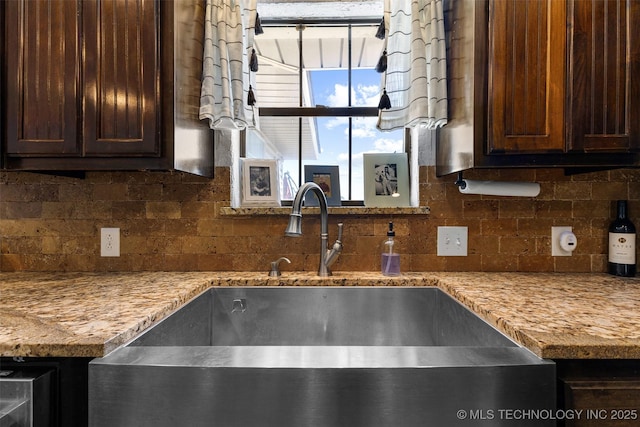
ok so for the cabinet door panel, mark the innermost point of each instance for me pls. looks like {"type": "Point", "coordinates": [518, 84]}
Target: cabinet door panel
{"type": "Point", "coordinates": [42, 77]}
{"type": "Point", "coordinates": [526, 76]}
{"type": "Point", "coordinates": [121, 78]}
{"type": "Point", "coordinates": [603, 402]}
{"type": "Point", "coordinates": [605, 74]}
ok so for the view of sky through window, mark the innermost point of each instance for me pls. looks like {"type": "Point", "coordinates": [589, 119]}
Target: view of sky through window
{"type": "Point", "coordinates": [328, 49]}
{"type": "Point", "coordinates": [330, 88]}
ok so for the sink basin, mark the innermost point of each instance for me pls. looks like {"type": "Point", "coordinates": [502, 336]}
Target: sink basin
{"type": "Point", "coordinates": [321, 356]}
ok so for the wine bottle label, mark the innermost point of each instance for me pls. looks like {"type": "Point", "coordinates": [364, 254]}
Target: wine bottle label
{"type": "Point", "coordinates": [622, 248]}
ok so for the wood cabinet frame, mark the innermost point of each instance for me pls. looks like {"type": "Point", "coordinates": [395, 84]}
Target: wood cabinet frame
{"type": "Point", "coordinates": [65, 109]}
{"type": "Point", "coordinates": [483, 102]}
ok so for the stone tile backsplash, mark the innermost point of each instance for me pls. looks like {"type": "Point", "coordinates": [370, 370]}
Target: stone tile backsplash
{"type": "Point", "coordinates": [172, 221]}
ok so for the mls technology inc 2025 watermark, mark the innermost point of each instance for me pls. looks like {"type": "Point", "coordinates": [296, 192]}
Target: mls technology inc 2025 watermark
{"type": "Point", "coordinates": [547, 414]}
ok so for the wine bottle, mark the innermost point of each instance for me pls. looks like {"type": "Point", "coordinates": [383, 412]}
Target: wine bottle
{"type": "Point", "coordinates": [622, 244]}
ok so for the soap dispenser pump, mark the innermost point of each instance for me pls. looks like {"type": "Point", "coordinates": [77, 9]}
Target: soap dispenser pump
{"type": "Point", "coordinates": [390, 258]}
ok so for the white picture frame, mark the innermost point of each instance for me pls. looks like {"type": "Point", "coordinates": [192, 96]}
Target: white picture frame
{"type": "Point", "coordinates": [386, 180]}
{"type": "Point", "coordinates": [260, 182]}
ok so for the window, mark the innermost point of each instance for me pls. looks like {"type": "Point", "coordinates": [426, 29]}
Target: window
{"type": "Point", "coordinates": [317, 92]}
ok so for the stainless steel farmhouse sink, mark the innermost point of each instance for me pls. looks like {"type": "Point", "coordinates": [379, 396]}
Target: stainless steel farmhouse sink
{"type": "Point", "coordinates": [321, 356]}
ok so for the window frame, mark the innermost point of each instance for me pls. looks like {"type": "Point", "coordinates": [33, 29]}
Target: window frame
{"type": "Point", "coordinates": [348, 111]}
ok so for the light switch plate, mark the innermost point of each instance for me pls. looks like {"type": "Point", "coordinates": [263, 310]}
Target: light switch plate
{"type": "Point", "coordinates": [452, 241]}
{"type": "Point", "coordinates": [109, 242]}
{"type": "Point", "coordinates": [556, 250]}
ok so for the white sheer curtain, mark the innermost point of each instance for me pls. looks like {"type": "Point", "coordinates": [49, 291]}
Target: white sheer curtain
{"type": "Point", "coordinates": [415, 79]}
{"type": "Point", "coordinates": [229, 32]}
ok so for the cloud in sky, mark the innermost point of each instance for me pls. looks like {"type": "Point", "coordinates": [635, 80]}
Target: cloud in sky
{"type": "Point", "coordinates": [361, 95]}
{"type": "Point", "coordinates": [388, 145]}
{"type": "Point", "coordinates": [369, 95]}
{"type": "Point", "coordinates": [366, 137]}
{"type": "Point", "coordinates": [336, 122]}
{"type": "Point", "coordinates": [380, 145]}
{"type": "Point", "coordinates": [363, 127]}
{"type": "Point", "coordinates": [339, 97]}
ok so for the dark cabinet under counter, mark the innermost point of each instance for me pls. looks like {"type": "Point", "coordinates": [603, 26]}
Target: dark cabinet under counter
{"type": "Point", "coordinates": [27, 398]}
{"type": "Point", "coordinates": [58, 387]}
{"type": "Point", "coordinates": [599, 392]}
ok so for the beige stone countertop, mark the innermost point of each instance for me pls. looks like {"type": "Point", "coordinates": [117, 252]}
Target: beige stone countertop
{"type": "Point", "coordinates": [557, 316]}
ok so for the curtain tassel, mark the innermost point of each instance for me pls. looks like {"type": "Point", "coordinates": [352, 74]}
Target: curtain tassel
{"type": "Point", "coordinates": [381, 66]}
{"type": "Point", "coordinates": [380, 34]}
{"type": "Point", "coordinates": [258, 28]}
{"type": "Point", "coordinates": [251, 98]}
{"type": "Point", "coordinates": [385, 102]}
{"type": "Point", "coordinates": [253, 62]}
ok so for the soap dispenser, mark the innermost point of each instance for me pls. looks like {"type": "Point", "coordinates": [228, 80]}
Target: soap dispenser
{"type": "Point", "coordinates": [390, 258]}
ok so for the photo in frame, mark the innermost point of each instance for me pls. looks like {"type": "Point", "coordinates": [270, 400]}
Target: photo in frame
{"type": "Point", "coordinates": [260, 183]}
{"type": "Point", "coordinates": [327, 178]}
{"type": "Point", "coordinates": [386, 180]}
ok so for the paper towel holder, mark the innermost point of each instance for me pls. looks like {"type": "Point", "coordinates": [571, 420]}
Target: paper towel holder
{"type": "Point", "coordinates": [497, 188]}
{"type": "Point", "coordinates": [460, 181]}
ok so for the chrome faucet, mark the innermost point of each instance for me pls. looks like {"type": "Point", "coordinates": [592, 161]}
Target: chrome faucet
{"type": "Point", "coordinates": [294, 229]}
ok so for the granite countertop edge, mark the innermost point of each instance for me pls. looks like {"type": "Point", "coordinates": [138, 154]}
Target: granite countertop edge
{"type": "Point", "coordinates": [92, 314]}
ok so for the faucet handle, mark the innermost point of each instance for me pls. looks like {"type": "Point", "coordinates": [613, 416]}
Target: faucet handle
{"type": "Point", "coordinates": [336, 249]}
{"type": "Point", "coordinates": [275, 266]}
{"type": "Point", "coordinates": [340, 232]}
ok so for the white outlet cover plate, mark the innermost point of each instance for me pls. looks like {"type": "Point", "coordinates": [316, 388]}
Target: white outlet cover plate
{"type": "Point", "coordinates": [556, 250]}
{"type": "Point", "coordinates": [109, 242]}
{"type": "Point", "coordinates": [452, 241]}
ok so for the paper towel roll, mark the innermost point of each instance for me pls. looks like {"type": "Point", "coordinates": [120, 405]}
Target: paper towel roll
{"type": "Point", "coordinates": [500, 188]}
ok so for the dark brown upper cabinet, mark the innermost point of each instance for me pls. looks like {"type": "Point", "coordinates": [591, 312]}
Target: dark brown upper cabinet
{"type": "Point", "coordinates": [526, 76]}
{"type": "Point", "coordinates": [542, 83]}
{"type": "Point", "coordinates": [43, 78]}
{"type": "Point", "coordinates": [91, 84]}
{"type": "Point", "coordinates": [604, 75]}
{"type": "Point", "coordinates": [121, 75]}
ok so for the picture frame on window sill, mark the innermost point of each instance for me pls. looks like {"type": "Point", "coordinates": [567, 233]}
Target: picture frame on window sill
{"type": "Point", "coordinates": [327, 178]}
{"type": "Point", "coordinates": [386, 180]}
{"type": "Point", "coordinates": [260, 182]}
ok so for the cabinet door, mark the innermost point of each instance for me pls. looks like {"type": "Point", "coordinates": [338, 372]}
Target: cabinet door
{"type": "Point", "coordinates": [604, 66]}
{"type": "Point", "coordinates": [603, 402]}
{"type": "Point", "coordinates": [121, 76]}
{"type": "Point", "coordinates": [42, 77]}
{"type": "Point", "coordinates": [526, 76]}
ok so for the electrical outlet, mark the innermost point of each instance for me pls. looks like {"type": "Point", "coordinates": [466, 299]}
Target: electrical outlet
{"type": "Point", "coordinates": [452, 241]}
{"type": "Point", "coordinates": [109, 242]}
{"type": "Point", "coordinates": [556, 250]}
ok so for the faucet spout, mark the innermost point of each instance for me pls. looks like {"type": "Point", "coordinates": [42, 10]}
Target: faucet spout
{"type": "Point", "coordinates": [294, 229]}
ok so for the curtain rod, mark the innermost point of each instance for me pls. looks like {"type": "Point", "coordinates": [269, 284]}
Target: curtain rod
{"type": "Point", "coordinates": [319, 22]}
